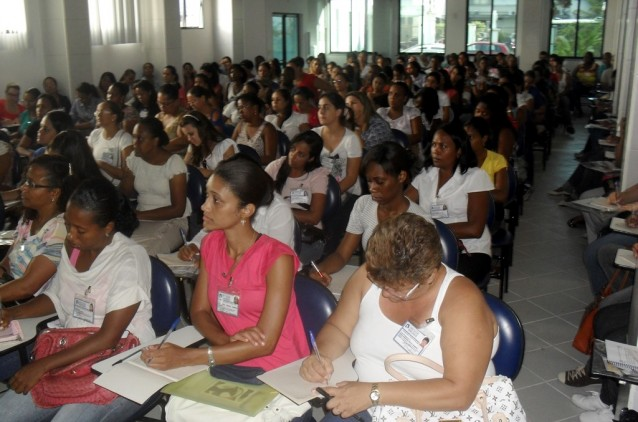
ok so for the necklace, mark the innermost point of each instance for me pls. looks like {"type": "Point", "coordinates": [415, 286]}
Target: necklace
{"type": "Point", "coordinates": [229, 275]}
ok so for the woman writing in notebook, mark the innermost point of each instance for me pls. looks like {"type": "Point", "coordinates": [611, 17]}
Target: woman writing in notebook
{"type": "Point", "coordinates": [244, 302]}
{"type": "Point", "coordinates": [117, 273]}
{"type": "Point", "coordinates": [403, 281]}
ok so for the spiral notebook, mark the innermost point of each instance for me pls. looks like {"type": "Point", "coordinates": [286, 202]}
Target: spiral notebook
{"type": "Point", "coordinates": [621, 355]}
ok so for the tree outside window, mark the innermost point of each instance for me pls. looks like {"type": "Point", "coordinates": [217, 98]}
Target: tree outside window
{"type": "Point", "coordinates": [577, 27]}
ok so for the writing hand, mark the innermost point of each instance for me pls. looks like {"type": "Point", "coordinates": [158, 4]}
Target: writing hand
{"type": "Point", "coordinates": [188, 252]}
{"type": "Point", "coordinates": [167, 357]}
{"type": "Point", "coordinates": [5, 318]}
{"type": "Point", "coordinates": [325, 280]}
{"type": "Point", "coordinates": [349, 398]}
{"type": "Point", "coordinates": [252, 335]}
{"type": "Point", "coordinates": [315, 370]}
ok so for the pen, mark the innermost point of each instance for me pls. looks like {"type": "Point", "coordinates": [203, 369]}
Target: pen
{"type": "Point", "coordinates": [170, 330]}
{"type": "Point", "coordinates": [314, 346]}
{"type": "Point", "coordinates": [317, 269]}
{"type": "Point", "coordinates": [183, 234]}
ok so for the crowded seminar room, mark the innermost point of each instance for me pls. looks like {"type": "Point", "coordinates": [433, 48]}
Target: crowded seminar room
{"type": "Point", "coordinates": [204, 203]}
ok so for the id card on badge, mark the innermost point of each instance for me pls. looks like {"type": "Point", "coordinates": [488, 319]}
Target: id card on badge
{"type": "Point", "coordinates": [228, 302]}
{"type": "Point", "coordinates": [84, 308]}
{"type": "Point", "coordinates": [438, 211]}
{"type": "Point", "coordinates": [412, 339]}
{"type": "Point", "coordinates": [299, 196]}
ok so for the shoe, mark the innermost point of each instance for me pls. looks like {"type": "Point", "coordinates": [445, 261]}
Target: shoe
{"type": "Point", "coordinates": [590, 401]}
{"type": "Point", "coordinates": [559, 191]}
{"type": "Point", "coordinates": [577, 221]}
{"type": "Point", "coordinates": [570, 130]}
{"type": "Point", "coordinates": [577, 378]}
{"type": "Point", "coordinates": [604, 415]}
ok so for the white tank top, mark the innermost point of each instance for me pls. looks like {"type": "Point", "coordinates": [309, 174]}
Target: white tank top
{"type": "Point", "coordinates": [373, 339]}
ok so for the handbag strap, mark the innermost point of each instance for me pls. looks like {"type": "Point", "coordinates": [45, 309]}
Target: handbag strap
{"type": "Point", "coordinates": [609, 287]}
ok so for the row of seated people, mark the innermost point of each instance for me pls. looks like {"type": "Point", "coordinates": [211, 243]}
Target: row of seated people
{"type": "Point", "coordinates": [244, 302]}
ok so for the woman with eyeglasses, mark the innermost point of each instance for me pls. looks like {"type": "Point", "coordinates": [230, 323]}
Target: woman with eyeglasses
{"type": "Point", "coordinates": [110, 144]}
{"type": "Point", "coordinates": [34, 256]}
{"type": "Point", "coordinates": [404, 300]}
{"type": "Point", "coordinates": [207, 147]}
{"type": "Point", "coordinates": [244, 302]}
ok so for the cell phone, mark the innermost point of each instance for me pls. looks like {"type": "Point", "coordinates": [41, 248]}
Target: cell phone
{"type": "Point", "coordinates": [323, 392]}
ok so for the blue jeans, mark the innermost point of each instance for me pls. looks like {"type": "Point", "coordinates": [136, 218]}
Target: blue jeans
{"type": "Point", "coordinates": [331, 417]}
{"type": "Point", "coordinates": [599, 258]}
{"type": "Point", "coordinates": [19, 408]}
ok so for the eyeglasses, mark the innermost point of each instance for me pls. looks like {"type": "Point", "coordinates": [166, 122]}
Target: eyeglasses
{"type": "Point", "coordinates": [390, 291]}
{"type": "Point", "coordinates": [100, 112]}
{"type": "Point", "coordinates": [32, 185]}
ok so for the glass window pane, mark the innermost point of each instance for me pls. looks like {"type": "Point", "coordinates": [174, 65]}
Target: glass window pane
{"type": "Point", "coordinates": [563, 32]}
{"type": "Point", "coordinates": [292, 37]}
{"type": "Point", "coordinates": [358, 25]}
{"type": "Point", "coordinates": [590, 27]}
{"type": "Point", "coordinates": [491, 26]}
{"type": "Point", "coordinates": [277, 37]}
{"type": "Point", "coordinates": [340, 31]}
{"type": "Point", "coordinates": [422, 26]}
{"type": "Point", "coordinates": [191, 14]}
{"type": "Point", "coordinates": [577, 27]}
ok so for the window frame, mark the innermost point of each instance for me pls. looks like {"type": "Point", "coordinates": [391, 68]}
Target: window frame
{"type": "Point", "coordinates": [366, 29]}
{"type": "Point", "coordinates": [404, 52]}
{"type": "Point", "coordinates": [182, 17]}
{"type": "Point", "coordinates": [575, 50]}
{"type": "Point", "coordinates": [284, 59]}
{"type": "Point", "coordinates": [493, 48]}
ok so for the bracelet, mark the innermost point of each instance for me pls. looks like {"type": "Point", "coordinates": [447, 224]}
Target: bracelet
{"type": "Point", "coordinates": [211, 358]}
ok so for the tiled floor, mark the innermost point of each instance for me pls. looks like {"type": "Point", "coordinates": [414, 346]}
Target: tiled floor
{"type": "Point", "coordinates": [549, 288]}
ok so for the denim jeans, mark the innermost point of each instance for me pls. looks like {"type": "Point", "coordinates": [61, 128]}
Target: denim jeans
{"type": "Point", "coordinates": [599, 258]}
{"type": "Point", "coordinates": [20, 408]}
{"type": "Point", "coordinates": [331, 417]}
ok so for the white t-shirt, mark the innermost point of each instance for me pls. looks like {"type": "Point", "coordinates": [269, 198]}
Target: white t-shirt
{"type": "Point", "coordinates": [290, 126]}
{"type": "Point", "coordinates": [444, 101]}
{"type": "Point", "coordinates": [109, 150]}
{"type": "Point", "coordinates": [403, 122]}
{"type": "Point", "coordinates": [363, 218]}
{"type": "Point", "coordinates": [152, 182]}
{"type": "Point", "coordinates": [298, 191]}
{"type": "Point", "coordinates": [217, 154]}
{"type": "Point", "coordinates": [336, 161]}
{"type": "Point", "coordinates": [119, 277]}
{"type": "Point", "coordinates": [454, 196]}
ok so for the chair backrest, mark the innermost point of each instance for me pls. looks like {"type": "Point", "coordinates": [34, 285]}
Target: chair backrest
{"type": "Point", "coordinates": [196, 193]}
{"type": "Point", "coordinates": [315, 303]}
{"type": "Point", "coordinates": [283, 143]}
{"type": "Point", "coordinates": [1, 213]}
{"type": "Point", "coordinates": [249, 152]}
{"type": "Point", "coordinates": [449, 243]}
{"type": "Point", "coordinates": [491, 213]}
{"type": "Point", "coordinates": [509, 356]}
{"type": "Point", "coordinates": [164, 297]}
{"type": "Point", "coordinates": [297, 237]}
{"type": "Point", "coordinates": [401, 137]}
{"type": "Point", "coordinates": [333, 199]}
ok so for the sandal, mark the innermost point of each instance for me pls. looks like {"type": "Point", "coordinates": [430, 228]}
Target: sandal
{"type": "Point", "coordinates": [577, 221]}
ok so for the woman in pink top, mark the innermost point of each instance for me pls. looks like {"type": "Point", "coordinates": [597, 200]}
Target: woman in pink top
{"type": "Point", "coordinates": [244, 302]}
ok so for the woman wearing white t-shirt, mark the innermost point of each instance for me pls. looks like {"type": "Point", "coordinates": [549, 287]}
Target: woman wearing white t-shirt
{"type": "Point", "coordinates": [402, 117]}
{"type": "Point", "coordinates": [158, 178]}
{"type": "Point", "coordinates": [453, 190]}
{"type": "Point", "coordinates": [110, 143]}
{"type": "Point", "coordinates": [341, 155]}
{"type": "Point", "coordinates": [285, 119]}
{"type": "Point", "coordinates": [206, 148]}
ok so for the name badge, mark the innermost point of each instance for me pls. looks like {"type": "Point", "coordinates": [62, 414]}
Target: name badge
{"type": "Point", "coordinates": [438, 211]}
{"type": "Point", "coordinates": [228, 302]}
{"type": "Point", "coordinates": [84, 308]}
{"type": "Point", "coordinates": [299, 196]}
{"type": "Point", "coordinates": [412, 339]}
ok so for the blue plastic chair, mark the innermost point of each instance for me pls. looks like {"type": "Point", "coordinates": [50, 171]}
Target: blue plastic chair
{"type": "Point", "coordinates": [333, 199]}
{"type": "Point", "coordinates": [449, 244]}
{"type": "Point", "coordinates": [196, 194]}
{"type": "Point", "coordinates": [511, 349]}
{"type": "Point", "coordinates": [249, 152]}
{"type": "Point", "coordinates": [164, 297]}
{"type": "Point", "coordinates": [283, 143]}
{"type": "Point", "coordinates": [315, 303]}
{"type": "Point", "coordinates": [401, 137]}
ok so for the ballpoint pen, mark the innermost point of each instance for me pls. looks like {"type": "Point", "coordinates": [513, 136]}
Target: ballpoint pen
{"type": "Point", "coordinates": [317, 269]}
{"type": "Point", "coordinates": [314, 346]}
{"type": "Point", "coordinates": [170, 330]}
{"type": "Point", "coordinates": [183, 234]}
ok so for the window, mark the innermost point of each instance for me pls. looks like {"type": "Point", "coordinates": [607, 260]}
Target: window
{"type": "Point", "coordinates": [114, 21]}
{"type": "Point", "coordinates": [191, 14]}
{"type": "Point", "coordinates": [13, 26]}
{"type": "Point", "coordinates": [422, 26]}
{"type": "Point", "coordinates": [491, 26]}
{"type": "Point", "coordinates": [577, 27]}
{"type": "Point", "coordinates": [285, 36]}
{"type": "Point", "coordinates": [350, 21]}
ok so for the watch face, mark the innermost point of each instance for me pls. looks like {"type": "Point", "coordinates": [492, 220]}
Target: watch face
{"type": "Point", "coordinates": [374, 395]}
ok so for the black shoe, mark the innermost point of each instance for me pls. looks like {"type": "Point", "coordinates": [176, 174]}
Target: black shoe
{"type": "Point", "coordinates": [578, 377]}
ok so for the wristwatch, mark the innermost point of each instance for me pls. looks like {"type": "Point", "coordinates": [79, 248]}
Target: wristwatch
{"type": "Point", "coordinates": [375, 394]}
{"type": "Point", "coordinates": [211, 358]}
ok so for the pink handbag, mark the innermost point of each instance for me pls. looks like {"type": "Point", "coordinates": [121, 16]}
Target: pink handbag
{"type": "Point", "coordinates": [73, 383]}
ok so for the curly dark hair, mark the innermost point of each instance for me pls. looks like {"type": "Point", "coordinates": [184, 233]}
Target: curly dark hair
{"type": "Point", "coordinates": [403, 250]}
{"type": "Point", "coordinates": [467, 158]}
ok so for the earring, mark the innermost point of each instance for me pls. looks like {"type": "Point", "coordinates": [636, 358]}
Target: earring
{"type": "Point", "coordinates": [243, 221]}
{"type": "Point", "coordinates": [107, 234]}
